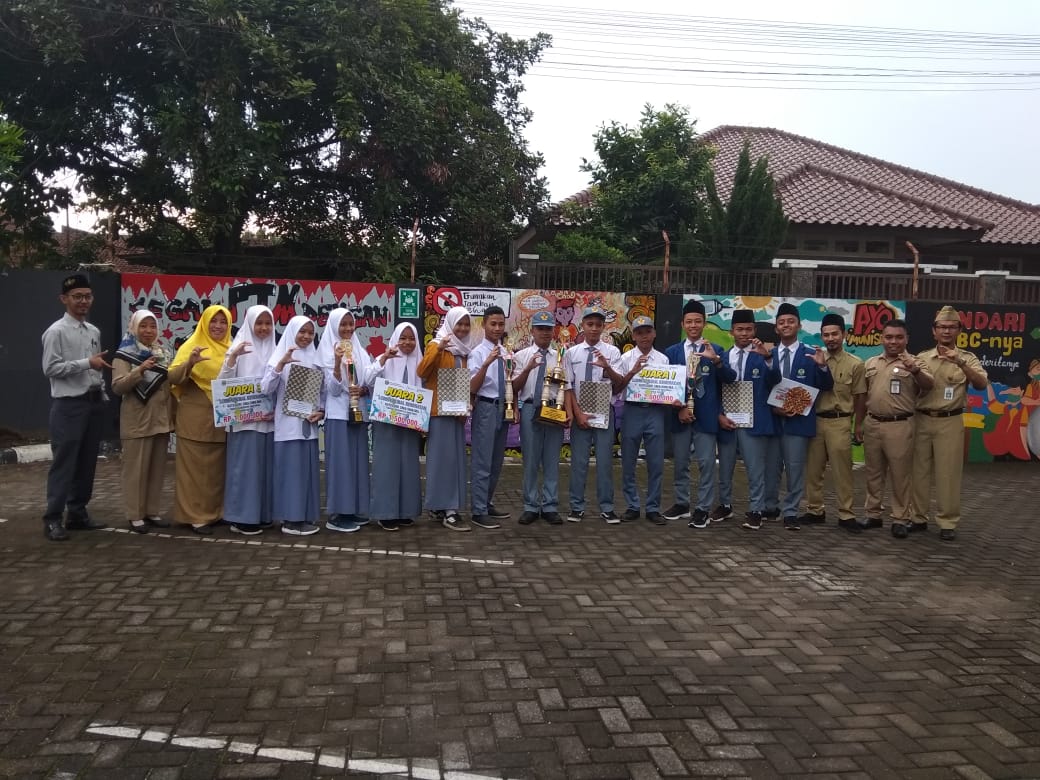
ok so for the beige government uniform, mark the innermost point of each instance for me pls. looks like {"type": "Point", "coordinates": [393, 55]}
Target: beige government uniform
{"type": "Point", "coordinates": [939, 439]}
{"type": "Point", "coordinates": [888, 435]}
{"type": "Point", "coordinates": [833, 441]}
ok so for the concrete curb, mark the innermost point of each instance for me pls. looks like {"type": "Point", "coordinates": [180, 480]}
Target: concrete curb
{"type": "Point", "coordinates": [28, 453]}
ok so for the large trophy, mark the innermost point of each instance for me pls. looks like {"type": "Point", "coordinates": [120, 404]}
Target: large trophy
{"type": "Point", "coordinates": [552, 410]}
{"type": "Point", "coordinates": [692, 364]}
{"type": "Point", "coordinates": [348, 353]}
{"type": "Point", "coordinates": [508, 413]}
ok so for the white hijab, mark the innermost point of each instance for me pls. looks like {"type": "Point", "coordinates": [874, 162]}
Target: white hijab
{"type": "Point", "coordinates": [447, 328]}
{"type": "Point", "coordinates": [330, 339]}
{"type": "Point", "coordinates": [393, 371]}
{"type": "Point", "coordinates": [303, 357]}
{"type": "Point", "coordinates": [253, 362]}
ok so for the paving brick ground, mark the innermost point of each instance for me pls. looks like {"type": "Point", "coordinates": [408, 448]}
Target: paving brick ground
{"type": "Point", "coordinates": [581, 651]}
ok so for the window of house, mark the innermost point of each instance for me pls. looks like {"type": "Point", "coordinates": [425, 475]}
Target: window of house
{"type": "Point", "coordinates": [877, 247]}
{"type": "Point", "coordinates": [815, 244]}
{"type": "Point", "coordinates": [1012, 264]}
{"type": "Point", "coordinates": [846, 245]}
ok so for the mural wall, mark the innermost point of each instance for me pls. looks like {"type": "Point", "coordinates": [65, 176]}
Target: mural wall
{"type": "Point", "coordinates": [1002, 421]}
{"type": "Point", "coordinates": [177, 302]}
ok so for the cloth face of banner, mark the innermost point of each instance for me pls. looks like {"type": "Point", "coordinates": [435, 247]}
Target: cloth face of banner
{"type": "Point", "coordinates": [302, 391]}
{"type": "Point", "coordinates": [238, 401]}
{"type": "Point", "coordinates": [658, 385]}
{"type": "Point", "coordinates": [405, 406]}
{"type": "Point", "coordinates": [793, 396]}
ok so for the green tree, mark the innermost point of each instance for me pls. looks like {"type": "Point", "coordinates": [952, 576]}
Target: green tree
{"type": "Point", "coordinates": [334, 123]}
{"type": "Point", "coordinates": [650, 178]}
{"type": "Point", "coordinates": [748, 229]}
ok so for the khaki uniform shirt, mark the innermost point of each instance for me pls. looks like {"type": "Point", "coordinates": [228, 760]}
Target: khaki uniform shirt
{"type": "Point", "coordinates": [891, 389]}
{"type": "Point", "coordinates": [951, 385]}
{"type": "Point", "coordinates": [849, 380]}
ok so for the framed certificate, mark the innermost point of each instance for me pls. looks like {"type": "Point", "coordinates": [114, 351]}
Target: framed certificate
{"type": "Point", "coordinates": [453, 392]}
{"type": "Point", "coordinates": [302, 391]}
{"type": "Point", "coordinates": [658, 385]}
{"type": "Point", "coordinates": [738, 403]}
{"type": "Point", "coordinates": [405, 406]}
{"type": "Point", "coordinates": [594, 400]}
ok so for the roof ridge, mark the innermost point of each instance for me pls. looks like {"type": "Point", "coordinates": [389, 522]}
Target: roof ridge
{"type": "Point", "coordinates": [866, 183]}
{"type": "Point", "coordinates": [749, 129]}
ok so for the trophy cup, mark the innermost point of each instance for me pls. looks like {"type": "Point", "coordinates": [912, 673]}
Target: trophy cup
{"type": "Point", "coordinates": [692, 362]}
{"type": "Point", "coordinates": [507, 413]}
{"type": "Point", "coordinates": [555, 381]}
{"type": "Point", "coordinates": [348, 352]}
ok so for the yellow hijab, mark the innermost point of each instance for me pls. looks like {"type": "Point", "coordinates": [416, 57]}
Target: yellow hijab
{"type": "Point", "coordinates": [205, 371]}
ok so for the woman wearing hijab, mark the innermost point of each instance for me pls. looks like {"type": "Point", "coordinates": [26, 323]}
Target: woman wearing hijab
{"type": "Point", "coordinates": [397, 495]}
{"type": "Point", "coordinates": [248, 483]}
{"type": "Point", "coordinates": [346, 443]}
{"type": "Point", "coordinates": [199, 486]}
{"type": "Point", "coordinates": [296, 503]}
{"type": "Point", "coordinates": [446, 443]}
{"type": "Point", "coordinates": [139, 375]}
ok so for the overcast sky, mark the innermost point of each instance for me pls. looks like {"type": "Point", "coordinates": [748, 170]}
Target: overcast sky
{"type": "Point", "coordinates": [986, 138]}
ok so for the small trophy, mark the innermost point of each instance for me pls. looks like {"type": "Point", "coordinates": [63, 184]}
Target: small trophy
{"type": "Point", "coordinates": [555, 381]}
{"type": "Point", "coordinates": [692, 362]}
{"type": "Point", "coordinates": [355, 410]}
{"type": "Point", "coordinates": [508, 411]}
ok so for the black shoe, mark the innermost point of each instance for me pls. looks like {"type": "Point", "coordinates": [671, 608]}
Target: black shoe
{"type": "Point", "coordinates": [55, 531]}
{"type": "Point", "coordinates": [84, 524]}
{"type": "Point", "coordinates": [917, 528]}
{"type": "Point", "coordinates": [484, 521]}
{"type": "Point", "coordinates": [851, 526]}
{"type": "Point", "coordinates": [576, 516]}
{"type": "Point", "coordinates": [791, 523]}
{"type": "Point", "coordinates": [630, 515]}
{"type": "Point", "coordinates": [388, 525]}
{"type": "Point", "coordinates": [527, 518]}
{"type": "Point", "coordinates": [753, 521]}
{"type": "Point", "coordinates": [721, 512]}
{"type": "Point", "coordinates": [552, 518]}
{"type": "Point", "coordinates": [455, 523]}
{"type": "Point", "coordinates": [156, 522]}
{"type": "Point", "coordinates": [771, 514]}
{"type": "Point", "coordinates": [871, 522]}
{"type": "Point", "coordinates": [811, 518]}
{"type": "Point", "coordinates": [405, 521]}
{"type": "Point", "coordinates": [699, 519]}
{"type": "Point", "coordinates": [947, 534]}
{"type": "Point", "coordinates": [655, 518]}
{"type": "Point", "coordinates": [203, 530]}
{"type": "Point", "coordinates": [677, 512]}
{"type": "Point", "coordinates": [139, 526]}
{"type": "Point", "coordinates": [900, 530]}
{"type": "Point", "coordinates": [497, 514]}
{"type": "Point", "coordinates": [610, 517]}
{"type": "Point", "coordinates": [246, 529]}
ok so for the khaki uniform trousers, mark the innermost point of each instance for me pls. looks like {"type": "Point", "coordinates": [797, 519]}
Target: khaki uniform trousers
{"type": "Point", "coordinates": [144, 465]}
{"type": "Point", "coordinates": [832, 444]}
{"type": "Point", "coordinates": [938, 445]}
{"type": "Point", "coordinates": [888, 449]}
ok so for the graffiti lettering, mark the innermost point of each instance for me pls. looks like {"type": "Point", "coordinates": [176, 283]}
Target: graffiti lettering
{"type": "Point", "coordinates": [1012, 321]}
{"type": "Point", "coordinates": [1006, 344]}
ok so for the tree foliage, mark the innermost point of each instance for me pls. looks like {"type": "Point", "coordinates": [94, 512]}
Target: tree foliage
{"type": "Point", "coordinates": [333, 123]}
{"type": "Point", "coordinates": [747, 230]}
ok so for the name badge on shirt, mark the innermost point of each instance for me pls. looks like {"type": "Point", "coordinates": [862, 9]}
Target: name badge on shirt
{"type": "Point", "coordinates": [948, 394]}
{"type": "Point", "coordinates": [894, 387]}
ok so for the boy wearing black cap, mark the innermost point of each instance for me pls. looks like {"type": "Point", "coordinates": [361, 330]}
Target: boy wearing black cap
{"type": "Point", "coordinates": [788, 454]}
{"type": "Point", "coordinates": [73, 360]}
{"type": "Point", "coordinates": [702, 428]}
{"type": "Point", "coordinates": [837, 410]}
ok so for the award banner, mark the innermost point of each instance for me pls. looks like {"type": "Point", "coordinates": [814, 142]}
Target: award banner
{"type": "Point", "coordinates": [793, 396]}
{"type": "Point", "coordinates": [658, 385]}
{"type": "Point", "coordinates": [239, 400]}
{"type": "Point", "coordinates": [302, 391]}
{"type": "Point", "coordinates": [405, 406]}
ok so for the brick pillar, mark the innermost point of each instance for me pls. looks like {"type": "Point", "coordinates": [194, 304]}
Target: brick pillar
{"type": "Point", "coordinates": [990, 286]}
{"type": "Point", "coordinates": [803, 283]}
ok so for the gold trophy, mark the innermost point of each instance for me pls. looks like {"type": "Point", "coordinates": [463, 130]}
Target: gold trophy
{"type": "Point", "coordinates": [508, 390]}
{"type": "Point", "coordinates": [355, 410]}
{"type": "Point", "coordinates": [692, 362]}
{"type": "Point", "coordinates": [555, 382]}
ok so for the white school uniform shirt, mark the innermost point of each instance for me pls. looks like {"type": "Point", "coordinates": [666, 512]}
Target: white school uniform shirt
{"type": "Point", "coordinates": [575, 359]}
{"type": "Point", "coordinates": [252, 363]}
{"type": "Point", "coordinates": [287, 427]}
{"type": "Point", "coordinates": [531, 392]}
{"type": "Point", "coordinates": [734, 359]}
{"type": "Point", "coordinates": [654, 358]}
{"type": "Point", "coordinates": [476, 359]}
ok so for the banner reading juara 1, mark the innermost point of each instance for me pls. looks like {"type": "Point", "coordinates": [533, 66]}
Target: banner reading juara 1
{"type": "Point", "coordinates": [1003, 421]}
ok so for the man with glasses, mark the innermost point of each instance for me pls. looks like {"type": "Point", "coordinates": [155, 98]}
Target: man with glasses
{"type": "Point", "coordinates": [939, 439]}
{"type": "Point", "coordinates": [73, 360]}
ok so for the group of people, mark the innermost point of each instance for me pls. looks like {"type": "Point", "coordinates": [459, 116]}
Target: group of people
{"type": "Point", "coordinates": [266, 472]}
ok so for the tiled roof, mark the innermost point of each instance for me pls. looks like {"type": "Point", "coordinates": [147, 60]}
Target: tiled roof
{"type": "Point", "coordinates": [824, 184]}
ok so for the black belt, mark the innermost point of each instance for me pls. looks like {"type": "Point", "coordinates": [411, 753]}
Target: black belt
{"type": "Point", "coordinates": [487, 400]}
{"type": "Point", "coordinates": [94, 396]}
{"type": "Point", "coordinates": [891, 418]}
{"type": "Point", "coordinates": [833, 415]}
{"type": "Point", "coordinates": [637, 403]}
{"type": "Point", "coordinates": [930, 413]}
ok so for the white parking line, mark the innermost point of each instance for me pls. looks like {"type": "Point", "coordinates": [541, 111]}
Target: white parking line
{"type": "Point", "coordinates": [418, 768]}
{"type": "Point", "coordinates": [330, 548]}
